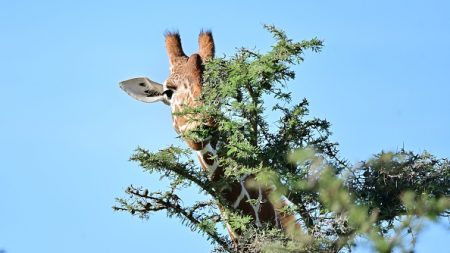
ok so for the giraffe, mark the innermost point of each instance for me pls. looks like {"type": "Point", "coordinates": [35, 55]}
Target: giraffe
{"type": "Point", "coordinates": [183, 88]}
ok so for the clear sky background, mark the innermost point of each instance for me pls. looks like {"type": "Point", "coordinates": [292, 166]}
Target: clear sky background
{"type": "Point", "coordinates": [67, 130]}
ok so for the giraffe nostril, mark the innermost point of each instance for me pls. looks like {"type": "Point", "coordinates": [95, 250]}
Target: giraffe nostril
{"type": "Point", "coordinates": [168, 93]}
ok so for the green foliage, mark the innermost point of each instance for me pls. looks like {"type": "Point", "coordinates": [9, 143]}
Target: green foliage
{"type": "Point", "coordinates": [379, 182]}
{"type": "Point", "coordinates": [381, 199]}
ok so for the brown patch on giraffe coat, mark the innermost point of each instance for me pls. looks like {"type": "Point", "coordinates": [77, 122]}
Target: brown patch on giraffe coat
{"type": "Point", "coordinates": [197, 146]}
{"type": "Point", "coordinates": [213, 142]}
{"type": "Point", "coordinates": [231, 195]}
{"type": "Point", "coordinates": [266, 212]}
{"type": "Point", "coordinates": [289, 224]}
{"type": "Point", "coordinates": [288, 221]}
{"type": "Point", "coordinates": [208, 158]}
{"type": "Point", "coordinates": [266, 209]}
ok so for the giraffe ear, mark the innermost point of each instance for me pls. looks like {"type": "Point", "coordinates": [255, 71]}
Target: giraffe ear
{"type": "Point", "coordinates": [206, 45]}
{"type": "Point", "coordinates": [144, 89]}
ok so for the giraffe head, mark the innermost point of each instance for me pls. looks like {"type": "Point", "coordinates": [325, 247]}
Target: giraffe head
{"type": "Point", "coordinates": [183, 86]}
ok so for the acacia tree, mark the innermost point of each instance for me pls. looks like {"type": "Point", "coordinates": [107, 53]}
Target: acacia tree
{"type": "Point", "coordinates": [263, 131]}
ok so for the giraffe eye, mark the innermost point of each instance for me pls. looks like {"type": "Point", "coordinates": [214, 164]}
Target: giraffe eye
{"type": "Point", "coordinates": [168, 93]}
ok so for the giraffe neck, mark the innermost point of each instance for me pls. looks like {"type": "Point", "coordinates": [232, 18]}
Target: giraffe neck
{"type": "Point", "coordinates": [237, 193]}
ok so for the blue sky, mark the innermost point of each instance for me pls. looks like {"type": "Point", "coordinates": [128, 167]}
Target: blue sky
{"type": "Point", "coordinates": [67, 130]}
